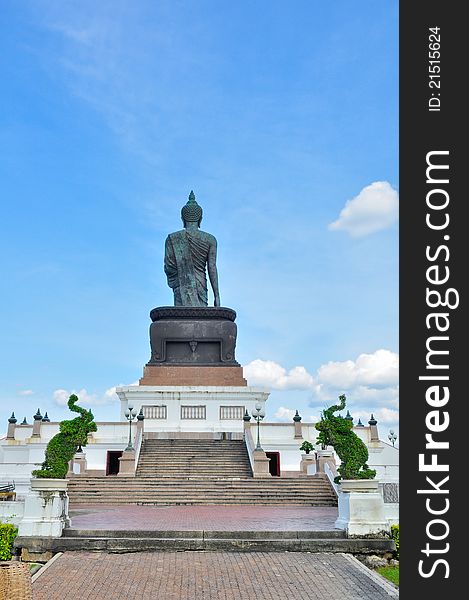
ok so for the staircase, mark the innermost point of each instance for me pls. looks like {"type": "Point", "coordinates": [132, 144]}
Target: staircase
{"type": "Point", "coordinates": [193, 458]}
{"type": "Point", "coordinates": [199, 472]}
{"type": "Point", "coordinates": [307, 491]}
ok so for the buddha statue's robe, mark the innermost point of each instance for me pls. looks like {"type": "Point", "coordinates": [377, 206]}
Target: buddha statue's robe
{"type": "Point", "coordinates": [185, 262]}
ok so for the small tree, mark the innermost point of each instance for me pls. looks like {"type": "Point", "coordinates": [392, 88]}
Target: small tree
{"type": "Point", "coordinates": [307, 447]}
{"type": "Point", "coordinates": [62, 447]}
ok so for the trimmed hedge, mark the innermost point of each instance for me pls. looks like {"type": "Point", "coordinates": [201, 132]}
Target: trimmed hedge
{"type": "Point", "coordinates": [62, 447]}
{"type": "Point", "coordinates": [337, 432]}
{"type": "Point", "coordinates": [8, 533]}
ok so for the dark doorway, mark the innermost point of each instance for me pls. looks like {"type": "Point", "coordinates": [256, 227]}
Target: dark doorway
{"type": "Point", "coordinates": [112, 462]}
{"type": "Point", "coordinates": [274, 463]}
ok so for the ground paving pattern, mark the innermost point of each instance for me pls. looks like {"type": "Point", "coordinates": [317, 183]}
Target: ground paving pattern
{"type": "Point", "coordinates": [205, 518]}
{"type": "Point", "coordinates": [209, 576]}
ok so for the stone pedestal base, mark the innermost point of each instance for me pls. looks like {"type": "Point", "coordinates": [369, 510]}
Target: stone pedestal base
{"type": "Point", "coordinates": [207, 376]}
{"type": "Point", "coordinates": [77, 465]}
{"type": "Point", "coordinates": [45, 509]}
{"type": "Point", "coordinates": [306, 461]}
{"type": "Point", "coordinates": [193, 336]}
{"type": "Point", "coordinates": [324, 457]}
{"type": "Point", "coordinates": [361, 509]}
{"type": "Point", "coordinates": [127, 463]}
{"type": "Point", "coordinates": [261, 464]}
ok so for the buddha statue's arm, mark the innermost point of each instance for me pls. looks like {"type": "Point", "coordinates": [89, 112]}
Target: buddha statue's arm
{"type": "Point", "coordinates": [212, 271]}
{"type": "Point", "coordinates": [170, 267]}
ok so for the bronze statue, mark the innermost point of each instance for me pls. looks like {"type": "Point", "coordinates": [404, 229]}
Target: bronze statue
{"type": "Point", "coordinates": [188, 254]}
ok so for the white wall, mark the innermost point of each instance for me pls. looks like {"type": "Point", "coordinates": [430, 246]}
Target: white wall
{"type": "Point", "coordinates": [173, 397]}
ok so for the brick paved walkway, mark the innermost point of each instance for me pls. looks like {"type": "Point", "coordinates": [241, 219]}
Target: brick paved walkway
{"type": "Point", "coordinates": [205, 518]}
{"type": "Point", "coordinates": [209, 576]}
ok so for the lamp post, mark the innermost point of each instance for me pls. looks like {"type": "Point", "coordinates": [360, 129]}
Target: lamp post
{"type": "Point", "coordinates": [258, 413]}
{"type": "Point", "coordinates": [130, 415]}
{"type": "Point", "coordinates": [392, 437]}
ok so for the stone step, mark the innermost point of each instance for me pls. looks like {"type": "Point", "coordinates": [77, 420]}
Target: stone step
{"type": "Point", "coordinates": [209, 464]}
{"type": "Point", "coordinates": [171, 459]}
{"type": "Point", "coordinates": [202, 488]}
{"type": "Point", "coordinates": [183, 500]}
{"type": "Point", "coordinates": [203, 534]}
{"type": "Point", "coordinates": [121, 501]}
{"type": "Point", "coordinates": [218, 493]}
{"type": "Point", "coordinates": [205, 496]}
{"type": "Point", "coordinates": [188, 472]}
{"type": "Point", "coordinates": [120, 544]}
{"type": "Point", "coordinates": [223, 481]}
{"type": "Point", "coordinates": [194, 485]}
{"type": "Point", "coordinates": [183, 455]}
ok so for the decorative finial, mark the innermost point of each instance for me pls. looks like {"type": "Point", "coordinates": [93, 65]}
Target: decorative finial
{"type": "Point", "coordinates": [46, 419]}
{"type": "Point", "coordinates": [348, 416]}
{"type": "Point", "coordinates": [247, 416]}
{"type": "Point", "coordinates": [372, 421]}
{"type": "Point", "coordinates": [360, 424]}
{"type": "Point", "coordinates": [24, 422]}
{"type": "Point", "coordinates": [297, 417]}
{"type": "Point", "coordinates": [12, 419]}
{"type": "Point", "coordinates": [140, 416]}
{"type": "Point", "coordinates": [38, 416]}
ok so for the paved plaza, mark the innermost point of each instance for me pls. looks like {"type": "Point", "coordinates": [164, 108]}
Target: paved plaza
{"type": "Point", "coordinates": [209, 576]}
{"type": "Point", "coordinates": [205, 518]}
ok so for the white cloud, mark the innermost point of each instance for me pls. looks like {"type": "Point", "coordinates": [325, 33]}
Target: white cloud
{"type": "Point", "coordinates": [380, 369]}
{"type": "Point", "coordinates": [25, 392]}
{"type": "Point", "coordinates": [268, 373]}
{"type": "Point", "coordinates": [370, 383]}
{"type": "Point", "coordinates": [61, 397]}
{"type": "Point", "coordinates": [284, 414]}
{"type": "Point", "coordinates": [111, 393]}
{"type": "Point", "coordinates": [376, 207]}
{"type": "Point", "coordinates": [387, 415]}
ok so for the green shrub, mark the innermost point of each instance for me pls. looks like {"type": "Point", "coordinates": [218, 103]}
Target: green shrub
{"type": "Point", "coordinates": [337, 432]}
{"type": "Point", "coordinates": [395, 537]}
{"type": "Point", "coordinates": [8, 533]}
{"type": "Point", "coordinates": [307, 446]}
{"type": "Point", "coordinates": [62, 447]}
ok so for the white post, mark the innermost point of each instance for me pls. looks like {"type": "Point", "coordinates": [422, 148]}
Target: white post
{"type": "Point", "coordinates": [45, 509]}
{"type": "Point", "coordinates": [361, 508]}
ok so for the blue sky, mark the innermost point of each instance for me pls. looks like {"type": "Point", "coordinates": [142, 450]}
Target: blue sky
{"type": "Point", "coordinates": [282, 117]}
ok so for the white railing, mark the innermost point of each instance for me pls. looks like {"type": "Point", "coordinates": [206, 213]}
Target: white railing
{"type": "Point", "coordinates": [155, 412]}
{"type": "Point", "coordinates": [138, 445]}
{"type": "Point", "coordinates": [193, 412]}
{"type": "Point", "coordinates": [249, 441]}
{"type": "Point", "coordinates": [231, 413]}
{"type": "Point", "coordinates": [330, 474]}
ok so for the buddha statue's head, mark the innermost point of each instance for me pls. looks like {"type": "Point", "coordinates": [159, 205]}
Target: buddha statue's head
{"type": "Point", "coordinates": [191, 212]}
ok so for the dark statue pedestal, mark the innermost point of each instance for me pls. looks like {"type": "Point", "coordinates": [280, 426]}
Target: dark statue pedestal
{"type": "Point", "coordinates": [193, 345]}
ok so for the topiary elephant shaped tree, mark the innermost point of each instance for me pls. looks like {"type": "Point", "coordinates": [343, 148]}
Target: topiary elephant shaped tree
{"type": "Point", "coordinates": [62, 447]}
{"type": "Point", "coordinates": [336, 431]}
